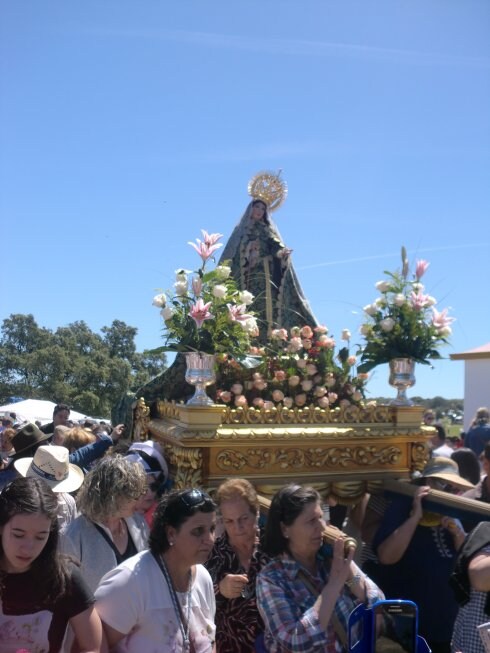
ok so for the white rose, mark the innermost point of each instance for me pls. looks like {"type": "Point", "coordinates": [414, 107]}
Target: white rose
{"type": "Point", "coordinates": [288, 402]}
{"type": "Point", "coordinates": [383, 286]}
{"type": "Point", "coordinates": [181, 275]}
{"type": "Point", "coordinates": [371, 309]}
{"type": "Point", "coordinates": [387, 324]}
{"type": "Point", "coordinates": [237, 388]}
{"type": "Point", "coordinates": [311, 369]}
{"type": "Point", "coordinates": [366, 329]}
{"type": "Point", "coordinates": [223, 272]}
{"type": "Point", "coordinates": [301, 363]}
{"type": "Point", "coordinates": [444, 332]}
{"type": "Point", "coordinates": [380, 302]}
{"type": "Point", "coordinates": [320, 391]}
{"type": "Point", "coordinates": [307, 385]}
{"type": "Point", "coordinates": [245, 297]}
{"type": "Point", "coordinates": [180, 288]}
{"type": "Point", "coordinates": [219, 291]}
{"type": "Point", "coordinates": [430, 301]}
{"type": "Point", "coordinates": [250, 326]}
{"type": "Point", "coordinates": [167, 313]}
{"type": "Point", "coordinates": [399, 299]}
{"type": "Point", "coordinates": [159, 300]}
{"type": "Point", "coordinates": [345, 334]}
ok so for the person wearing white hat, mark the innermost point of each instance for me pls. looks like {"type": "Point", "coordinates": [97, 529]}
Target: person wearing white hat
{"type": "Point", "coordinates": [149, 455]}
{"type": "Point", "coordinates": [51, 464]}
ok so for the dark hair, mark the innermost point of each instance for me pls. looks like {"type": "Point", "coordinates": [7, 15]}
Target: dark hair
{"type": "Point", "coordinates": [468, 465]}
{"type": "Point", "coordinates": [287, 504]}
{"type": "Point", "coordinates": [59, 407]}
{"type": "Point", "coordinates": [441, 433]}
{"type": "Point", "coordinates": [29, 496]}
{"type": "Point", "coordinates": [173, 510]}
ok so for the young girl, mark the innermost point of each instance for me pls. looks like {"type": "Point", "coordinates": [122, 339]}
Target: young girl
{"type": "Point", "coordinates": [41, 592]}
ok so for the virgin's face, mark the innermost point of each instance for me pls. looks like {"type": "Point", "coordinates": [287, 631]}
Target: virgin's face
{"type": "Point", "coordinates": [258, 211]}
{"type": "Point", "coordinates": [239, 522]}
{"type": "Point", "coordinates": [23, 539]}
{"type": "Point", "coordinates": [193, 541]}
{"type": "Point", "coordinates": [305, 533]}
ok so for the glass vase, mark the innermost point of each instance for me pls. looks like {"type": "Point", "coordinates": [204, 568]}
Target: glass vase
{"type": "Point", "coordinates": [200, 373]}
{"type": "Point", "coordinates": [402, 377]}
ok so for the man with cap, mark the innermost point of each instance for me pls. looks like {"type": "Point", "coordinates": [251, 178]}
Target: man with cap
{"type": "Point", "coordinates": [149, 455]}
{"type": "Point", "coordinates": [418, 550]}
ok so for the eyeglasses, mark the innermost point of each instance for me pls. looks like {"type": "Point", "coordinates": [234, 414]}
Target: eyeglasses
{"type": "Point", "coordinates": [194, 498]}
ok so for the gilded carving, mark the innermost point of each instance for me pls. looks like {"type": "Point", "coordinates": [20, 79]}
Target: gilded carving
{"type": "Point", "coordinates": [420, 456]}
{"type": "Point", "coordinates": [141, 416]}
{"type": "Point", "coordinates": [311, 458]}
{"type": "Point", "coordinates": [187, 464]}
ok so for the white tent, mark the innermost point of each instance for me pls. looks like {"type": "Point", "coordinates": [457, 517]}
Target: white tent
{"type": "Point", "coordinates": [36, 409]}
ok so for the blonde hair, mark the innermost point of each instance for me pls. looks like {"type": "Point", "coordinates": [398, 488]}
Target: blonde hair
{"type": "Point", "coordinates": [78, 437]}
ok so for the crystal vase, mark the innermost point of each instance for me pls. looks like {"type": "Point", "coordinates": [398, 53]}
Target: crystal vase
{"type": "Point", "coordinates": [401, 378]}
{"type": "Point", "coordinates": [200, 373]}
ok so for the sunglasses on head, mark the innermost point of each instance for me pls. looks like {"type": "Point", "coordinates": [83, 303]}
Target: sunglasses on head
{"type": "Point", "coordinates": [194, 498]}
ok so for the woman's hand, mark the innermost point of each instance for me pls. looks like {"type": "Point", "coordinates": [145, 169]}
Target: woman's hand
{"type": "Point", "coordinates": [231, 585]}
{"type": "Point", "coordinates": [417, 510]}
{"type": "Point", "coordinates": [340, 570]}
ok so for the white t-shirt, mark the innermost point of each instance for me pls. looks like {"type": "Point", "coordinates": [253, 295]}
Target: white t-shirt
{"type": "Point", "coordinates": [134, 599]}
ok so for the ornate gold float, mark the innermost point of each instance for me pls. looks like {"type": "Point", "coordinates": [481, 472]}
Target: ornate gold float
{"type": "Point", "coordinates": [339, 451]}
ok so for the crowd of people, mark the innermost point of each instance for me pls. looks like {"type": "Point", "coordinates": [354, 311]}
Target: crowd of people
{"type": "Point", "coordinates": [98, 553]}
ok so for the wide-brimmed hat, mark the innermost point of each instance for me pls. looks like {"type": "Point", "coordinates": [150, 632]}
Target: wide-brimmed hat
{"type": "Point", "coordinates": [447, 470]}
{"type": "Point", "coordinates": [149, 456]}
{"type": "Point", "coordinates": [51, 463]}
{"type": "Point", "coordinates": [27, 436]}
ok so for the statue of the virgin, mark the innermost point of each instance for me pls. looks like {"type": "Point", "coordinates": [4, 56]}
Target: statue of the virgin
{"type": "Point", "coordinates": [261, 263]}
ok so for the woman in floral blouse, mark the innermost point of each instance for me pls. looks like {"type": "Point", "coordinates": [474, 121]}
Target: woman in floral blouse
{"type": "Point", "coordinates": [305, 594]}
{"type": "Point", "coordinates": [234, 564]}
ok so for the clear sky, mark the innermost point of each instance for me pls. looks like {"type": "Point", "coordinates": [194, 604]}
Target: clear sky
{"type": "Point", "coordinates": [127, 126]}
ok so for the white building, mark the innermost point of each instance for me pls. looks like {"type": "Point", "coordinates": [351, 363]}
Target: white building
{"type": "Point", "coordinates": [476, 380]}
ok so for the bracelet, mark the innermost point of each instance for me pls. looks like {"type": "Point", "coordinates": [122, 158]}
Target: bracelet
{"type": "Point", "coordinates": [355, 580]}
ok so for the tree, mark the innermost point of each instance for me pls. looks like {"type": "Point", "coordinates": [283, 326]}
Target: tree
{"type": "Point", "coordinates": [73, 365]}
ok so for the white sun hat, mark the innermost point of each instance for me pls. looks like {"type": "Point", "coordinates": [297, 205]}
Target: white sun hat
{"type": "Point", "coordinates": [51, 463]}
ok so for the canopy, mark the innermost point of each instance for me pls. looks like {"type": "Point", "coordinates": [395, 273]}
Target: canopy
{"type": "Point", "coordinates": [36, 409]}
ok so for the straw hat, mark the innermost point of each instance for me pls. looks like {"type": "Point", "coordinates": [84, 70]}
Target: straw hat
{"type": "Point", "coordinates": [51, 463]}
{"type": "Point", "coordinates": [27, 436]}
{"type": "Point", "coordinates": [447, 470]}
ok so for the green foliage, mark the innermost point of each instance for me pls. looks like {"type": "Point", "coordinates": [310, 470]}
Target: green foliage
{"type": "Point", "coordinates": [73, 365]}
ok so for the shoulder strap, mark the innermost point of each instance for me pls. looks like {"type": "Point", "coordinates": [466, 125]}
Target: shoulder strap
{"type": "Point", "coordinates": [337, 626]}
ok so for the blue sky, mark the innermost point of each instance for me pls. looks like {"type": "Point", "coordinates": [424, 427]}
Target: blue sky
{"type": "Point", "coordinates": [126, 127]}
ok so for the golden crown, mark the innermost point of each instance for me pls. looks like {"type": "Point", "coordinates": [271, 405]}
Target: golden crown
{"type": "Point", "coordinates": [269, 188]}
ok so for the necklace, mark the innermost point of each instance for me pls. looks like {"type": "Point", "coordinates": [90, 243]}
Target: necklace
{"type": "Point", "coordinates": [184, 623]}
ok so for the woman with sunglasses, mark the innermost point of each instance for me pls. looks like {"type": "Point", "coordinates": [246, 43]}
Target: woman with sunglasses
{"type": "Point", "coordinates": [162, 600]}
{"type": "Point", "coordinates": [307, 592]}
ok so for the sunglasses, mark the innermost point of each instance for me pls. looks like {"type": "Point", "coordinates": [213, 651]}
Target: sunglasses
{"type": "Point", "coordinates": [194, 498]}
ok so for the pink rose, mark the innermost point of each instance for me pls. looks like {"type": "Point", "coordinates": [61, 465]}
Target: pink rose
{"type": "Point", "coordinates": [307, 343]}
{"type": "Point", "coordinates": [268, 405]}
{"type": "Point", "coordinates": [301, 363]}
{"type": "Point", "coordinates": [294, 380]}
{"type": "Point", "coordinates": [225, 396]}
{"type": "Point", "coordinates": [295, 344]}
{"type": "Point", "coordinates": [260, 384]}
{"type": "Point", "coordinates": [237, 388]}
{"type": "Point", "coordinates": [300, 400]}
{"type": "Point", "coordinates": [307, 385]}
{"type": "Point", "coordinates": [306, 332]}
{"type": "Point", "coordinates": [351, 360]}
{"type": "Point", "coordinates": [258, 402]}
{"type": "Point", "coordinates": [320, 391]}
{"type": "Point", "coordinates": [278, 395]}
{"type": "Point", "coordinates": [241, 401]}
{"type": "Point", "coordinates": [321, 329]}
{"type": "Point", "coordinates": [280, 375]}
{"type": "Point", "coordinates": [288, 402]}
{"type": "Point", "coordinates": [332, 397]}
{"type": "Point", "coordinates": [311, 369]}
{"type": "Point", "coordinates": [323, 402]}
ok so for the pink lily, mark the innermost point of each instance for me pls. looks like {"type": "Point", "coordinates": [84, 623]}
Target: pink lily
{"type": "Point", "coordinates": [210, 239]}
{"type": "Point", "coordinates": [205, 250]}
{"type": "Point", "coordinates": [421, 268]}
{"type": "Point", "coordinates": [237, 312]}
{"type": "Point", "coordinates": [200, 312]}
{"type": "Point", "coordinates": [440, 319]}
{"type": "Point", "coordinates": [419, 300]}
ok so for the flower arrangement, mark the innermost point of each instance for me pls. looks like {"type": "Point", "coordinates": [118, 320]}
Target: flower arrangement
{"type": "Point", "coordinates": [294, 370]}
{"type": "Point", "coordinates": [403, 322]}
{"type": "Point", "coordinates": [206, 312]}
